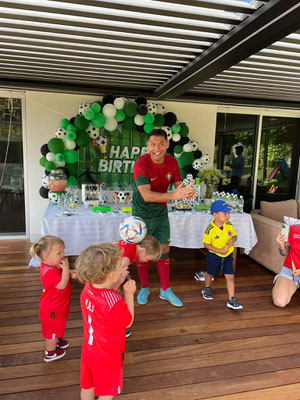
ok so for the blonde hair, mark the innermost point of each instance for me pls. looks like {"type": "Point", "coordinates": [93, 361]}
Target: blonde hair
{"type": "Point", "coordinates": [97, 261]}
{"type": "Point", "coordinates": [44, 245]}
{"type": "Point", "coordinates": [152, 246]}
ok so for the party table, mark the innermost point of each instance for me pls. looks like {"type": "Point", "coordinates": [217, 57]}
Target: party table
{"type": "Point", "coordinates": [86, 227]}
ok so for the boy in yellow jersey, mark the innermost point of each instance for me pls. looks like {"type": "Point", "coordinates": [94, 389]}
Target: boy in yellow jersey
{"type": "Point", "coordinates": [218, 239]}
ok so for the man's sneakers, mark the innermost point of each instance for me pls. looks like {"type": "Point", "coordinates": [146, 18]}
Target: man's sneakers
{"type": "Point", "coordinates": [234, 304]}
{"type": "Point", "coordinates": [62, 343]}
{"type": "Point", "coordinates": [142, 297]}
{"type": "Point", "coordinates": [170, 296]}
{"type": "Point", "coordinates": [128, 332]}
{"type": "Point", "coordinates": [54, 354]}
{"type": "Point", "coordinates": [206, 293]}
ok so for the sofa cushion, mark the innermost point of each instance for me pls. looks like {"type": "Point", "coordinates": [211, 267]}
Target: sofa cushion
{"type": "Point", "coordinates": [278, 209]}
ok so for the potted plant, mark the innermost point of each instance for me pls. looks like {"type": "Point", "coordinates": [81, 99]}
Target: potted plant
{"type": "Point", "coordinates": [210, 177]}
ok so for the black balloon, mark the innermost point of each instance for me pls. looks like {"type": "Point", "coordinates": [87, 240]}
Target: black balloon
{"type": "Point", "coordinates": [44, 149]}
{"type": "Point", "coordinates": [172, 144]}
{"type": "Point", "coordinates": [190, 170]}
{"type": "Point", "coordinates": [197, 154]}
{"type": "Point", "coordinates": [76, 147]}
{"type": "Point", "coordinates": [142, 109]}
{"type": "Point", "coordinates": [72, 120]}
{"type": "Point", "coordinates": [141, 100]}
{"type": "Point", "coordinates": [44, 192]}
{"type": "Point", "coordinates": [47, 172]}
{"type": "Point", "coordinates": [140, 128]}
{"type": "Point", "coordinates": [108, 99]}
{"type": "Point", "coordinates": [170, 119]}
{"type": "Point", "coordinates": [183, 141]}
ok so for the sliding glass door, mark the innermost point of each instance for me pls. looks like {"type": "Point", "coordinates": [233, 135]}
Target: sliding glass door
{"type": "Point", "coordinates": [12, 209]}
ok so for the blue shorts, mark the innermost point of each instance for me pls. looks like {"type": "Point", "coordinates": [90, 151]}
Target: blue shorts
{"type": "Point", "coordinates": [287, 273]}
{"type": "Point", "coordinates": [214, 262]}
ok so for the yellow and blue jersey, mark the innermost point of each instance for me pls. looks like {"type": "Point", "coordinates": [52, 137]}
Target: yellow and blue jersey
{"type": "Point", "coordinates": [218, 238]}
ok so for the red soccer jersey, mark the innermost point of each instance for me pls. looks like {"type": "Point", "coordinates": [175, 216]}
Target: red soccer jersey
{"type": "Point", "coordinates": [105, 318]}
{"type": "Point", "coordinates": [54, 303]}
{"type": "Point", "coordinates": [129, 250]}
{"type": "Point", "coordinates": [159, 176]}
{"type": "Point", "coordinates": [294, 252]}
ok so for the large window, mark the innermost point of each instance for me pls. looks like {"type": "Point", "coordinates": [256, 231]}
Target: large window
{"type": "Point", "coordinates": [12, 210]}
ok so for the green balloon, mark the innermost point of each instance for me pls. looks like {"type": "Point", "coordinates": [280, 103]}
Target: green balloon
{"type": "Point", "coordinates": [180, 163]}
{"type": "Point", "coordinates": [81, 123]}
{"type": "Point", "coordinates": [149, 118]}
{"type": "Point", "coordinates": [49, 165]}
{"type": "Point", "coordinates": [82, 139]}
{"type": "Point", "coordinates": [99, 120]}
{"type": "Point", "coordinates": [96, 107]}
{"type": "Point", "coordinates": [148, 128]}
{"type": "Point", "coordinates": [71, 156]}
{"type": "Point", "coordinates": [72, 181]}
{"type": "Point", "coordinates": [178, 149]}
{"type": "Point", "coordinates": [72, 168]}
{"type": "Point", "coordinates": [184, 129]}
{"type": "Point", "coordinates": [130, 108]}
{"type": "Point", "coordinates": [72, 128]}
{"type": "Point", "coordinates": [70, 135]}
{"type": "Point", "coordinates": [64, 123]}
{"type": "Point", "coordinates": [59, 157]}
{"type": "Point", "coordinates": [129, 122]}
{"type": "Point", "coordinates": [187, 158]}
{"type": "Point", "coordinates": [183, 173]}
{"type": "Point", "coordinates": [89, 115]}
{"type": "Point", "coordinates": [56, 145]}
{"type": "Point", "coordinates": [159, 120]}
{"type": "Point", "coordinates": [43, 161]}
{"type": "Point", "coordinates": [120, 115]}
{"type": "Point", "coordinates": [175, 128]}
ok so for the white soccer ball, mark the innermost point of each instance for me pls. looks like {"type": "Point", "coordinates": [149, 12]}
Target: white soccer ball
{"type": "Point", "coordinates": [121, 197]}
{"type": "Point", "coordinates": [45, 181]}
{"type": "Point", "coordinates": [132, 230]}
{"type": "Point", "coordinates": [161, 109]}
{"type": "Point", "coordinates": [93, 131]}
{"type": "Point", "coordinates": [205, 158]}
{"type": "Point", "coordinates": [152, 109]}
{"type": "Point", "coordinates": [60, 133]}
{"type": "Point", "coordinates": [195, 145]}
{"type": "Point", "coordinates": [83, 107]}
{"type": "Point", "coordinates": [52, 196]}
{"type": "Point", "coordinates": [168, 131]}
{"type": "Point", "coordinates": [197, 164]}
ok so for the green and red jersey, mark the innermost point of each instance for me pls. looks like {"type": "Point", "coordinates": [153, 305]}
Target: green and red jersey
{"type": "Point", "coordinates": [159, 176]}
{"type": "Point", "coordinates": [294, 252]}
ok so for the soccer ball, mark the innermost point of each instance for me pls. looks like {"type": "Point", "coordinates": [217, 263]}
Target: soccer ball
{"type": "Point", "coordinates": [195, 145]}
{"type": "Point", "coordinates": [121, 197]}
{"type": "Point", "coordinates": [52, 197]}
{"type": "Point", "coordinates": [83, 107]}
{"type": "Point", "coordinates": [132, 230]}
{"type": "Point", "coordinates": [93, 131]}
{"type": "Point", "coordinates": [168, 131]}
{"type": "Point", "coordinates": [60, 133]}
{"type": "Point", "coordinates": [197, 164]}
{"type": "Point", "coordinates": [152, 109]}
{"type": "Point", "coordinates": [45, 181]}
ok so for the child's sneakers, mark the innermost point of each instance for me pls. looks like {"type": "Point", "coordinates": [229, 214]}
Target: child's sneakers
{"type": "Point", "coordinates": [142, 297]}
{"type": "Point", "coordinates": [54, 354]}
{"type": "Point", "coordinates": [62, 343]}
{"type": "Point", "coordinates": [234, 304]}
{"type": "Point", "coordinates": [128, 332]}
{"type": "Point", "coordinates": [206, 293]}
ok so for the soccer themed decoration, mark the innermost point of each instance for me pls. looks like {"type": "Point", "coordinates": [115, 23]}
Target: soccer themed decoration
{"type": "Point", "coordinates": [132, 229]}
{"type": "Point", "coordinates": [105, 138]}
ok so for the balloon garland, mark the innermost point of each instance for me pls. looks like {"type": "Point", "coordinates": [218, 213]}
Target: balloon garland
{"type": "Point", "coordinates": [61, 152]}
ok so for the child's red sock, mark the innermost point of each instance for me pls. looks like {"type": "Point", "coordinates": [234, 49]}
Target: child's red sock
{"type": "Point", "coordinates": [163, 268]}
{"type": "Point", "coordinates": [143, 273]}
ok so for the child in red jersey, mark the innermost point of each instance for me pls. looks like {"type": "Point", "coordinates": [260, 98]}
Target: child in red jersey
{"type": "Point", "coordinates": [288, 281]}
{"type": "Point", "coordinates": [54, 303]}
{"type": "Point", "coordinates": [106, 315]}
{"type": "Point", "coordinates": [149, 249]}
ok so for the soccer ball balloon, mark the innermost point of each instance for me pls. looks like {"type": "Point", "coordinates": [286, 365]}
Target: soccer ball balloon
{"type": "Point", "coordinates": [132, 230]}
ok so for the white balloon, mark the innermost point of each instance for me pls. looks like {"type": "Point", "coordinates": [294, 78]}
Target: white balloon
{"type": "Point", "coordinates": [139, 120]}
{"type": "Point", "coordinates": [60, 163]}
{"type": "Point", "coordinates": [119, 103]}
{"type": "Point", "coordinates": [161, 109]}
{"type": "Point", "coordinates": [111, 124]}
{"type": "Point", "coordinates": [70, 144]}
{"type": "Point", "coordinates": [109, 110]}
{"type": "Point", "coordinates": [187, 148]}
{"type": "Point", "coordinates": [50, 156]}
{"type": "Point", "coordinates": [176, 137]}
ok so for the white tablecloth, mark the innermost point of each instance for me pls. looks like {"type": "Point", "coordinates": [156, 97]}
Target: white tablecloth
{"type": "Point", "coordinates": [86, 227]}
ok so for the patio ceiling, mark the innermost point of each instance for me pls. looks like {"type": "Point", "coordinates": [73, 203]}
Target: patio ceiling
{"type": "Point", "coordinates": [228, 51]}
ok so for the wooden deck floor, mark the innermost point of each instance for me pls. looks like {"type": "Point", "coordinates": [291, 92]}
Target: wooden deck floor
{"type": "Point", "coordinates": [202, 351]}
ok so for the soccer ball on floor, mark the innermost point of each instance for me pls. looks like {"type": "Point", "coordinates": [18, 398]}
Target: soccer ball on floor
{"type": "Point", "coordinates": [132, 230]}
